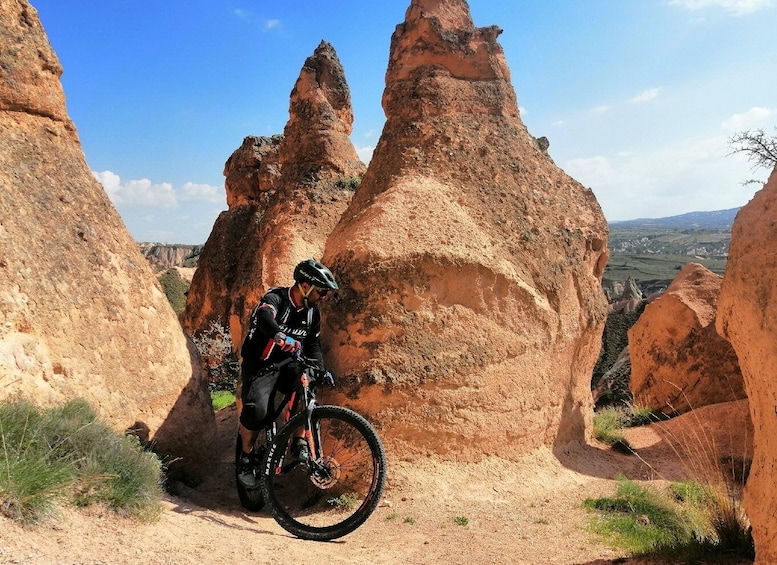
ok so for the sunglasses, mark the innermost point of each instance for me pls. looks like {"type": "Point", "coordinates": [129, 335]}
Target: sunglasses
{"type": "Point", "coordinates": [321, 291]}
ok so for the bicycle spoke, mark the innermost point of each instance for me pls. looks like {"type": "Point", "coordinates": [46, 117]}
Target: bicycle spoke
{"type": "Point", "coordinates": [334, 494]}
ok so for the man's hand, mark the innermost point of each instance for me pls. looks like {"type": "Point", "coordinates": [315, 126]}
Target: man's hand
{"type": "Point", "coordinates": [324, 377]}
{"type": "Point", "coordinates": [287, 344]}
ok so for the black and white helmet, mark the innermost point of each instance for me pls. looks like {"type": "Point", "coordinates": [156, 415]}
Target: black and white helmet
{"type": "Point", "coordinates": [313, 272]}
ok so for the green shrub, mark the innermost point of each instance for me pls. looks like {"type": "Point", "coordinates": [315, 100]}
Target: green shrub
{"type": "Point", "coordinates": [350, 182]}
{"type": "Point", "coordinates": [639, 519]}
{"type": "Point", "coordinates": [221, 399]}
{"type": "Point", "coordinates": [219, 359]}
{"type": "Point", "coordinates": [687, 524]}
{"type": "Point", "coordinates": [66, 454]}
{"type": "Point", "coordinates": [607, 425]}
{"type": "Point", "coordinates": [175, 288]}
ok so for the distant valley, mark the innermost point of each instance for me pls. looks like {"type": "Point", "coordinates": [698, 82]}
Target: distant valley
{"type": "Point", "coordinates": [649, 250]}
{"type": "Point", "coordinates": [652, 250]}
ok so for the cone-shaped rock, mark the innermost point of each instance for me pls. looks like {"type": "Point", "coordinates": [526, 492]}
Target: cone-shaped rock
{"type": "Point", "coordinates": [285, 195]}
{"type": "Point", "coordinates": [472, 310]}
{"type": "Point", "coordinates": [747, 316]}
{"type": "Point", "coordinates": [678, 360]}
{"type": "Point", "coordinates": [81, 313]}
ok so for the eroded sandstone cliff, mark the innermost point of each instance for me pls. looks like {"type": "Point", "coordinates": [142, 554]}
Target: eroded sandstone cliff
{"type": "Point", "coordinates": [471, 312]}
{"type": "Point", "coordinates": [747, 317]}
{"type": "Point", "coordinates": [81, 314]}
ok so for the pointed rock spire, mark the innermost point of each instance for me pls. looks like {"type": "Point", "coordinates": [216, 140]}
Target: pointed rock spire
{"type": "Point", "coordinates": [285, 195]}
{"type": "Point", "coordinates": [470, 264]}
{"type": "Point", "coordinates": [315, 143]}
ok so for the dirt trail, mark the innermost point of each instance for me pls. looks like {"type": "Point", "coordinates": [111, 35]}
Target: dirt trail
{"type": "Point", "coordinates": [517, 512]}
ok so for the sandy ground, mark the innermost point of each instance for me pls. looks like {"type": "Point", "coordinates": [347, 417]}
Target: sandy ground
{"type": "Point", "coordinates": [517, 512]}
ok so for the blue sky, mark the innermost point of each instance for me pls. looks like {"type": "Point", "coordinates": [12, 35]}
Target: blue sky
{"type": "Point", "coordinates": [637, 97]}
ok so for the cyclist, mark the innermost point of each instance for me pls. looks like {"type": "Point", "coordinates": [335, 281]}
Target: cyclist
{"type": "Point", "coordinates": [286, 321]}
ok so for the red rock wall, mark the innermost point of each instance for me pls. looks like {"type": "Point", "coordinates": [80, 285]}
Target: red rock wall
{"type": "Point", "coordinates": [472, 309]}
{"type": "Point", "coordinates": [678, 360]}
{"type": "Point", "coordinates": [747, 316]}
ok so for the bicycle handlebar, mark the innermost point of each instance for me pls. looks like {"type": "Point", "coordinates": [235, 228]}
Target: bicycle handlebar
{"type": "Point", "coordinates": [320, 376]}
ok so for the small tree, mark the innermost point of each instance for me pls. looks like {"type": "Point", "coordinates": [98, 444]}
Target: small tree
{"type": "Point", "coordinates": [218, 357]}
{"type": "Point", "coordinates": [760, 149]}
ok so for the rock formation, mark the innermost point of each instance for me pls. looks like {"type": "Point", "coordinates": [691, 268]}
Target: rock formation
{"type": "Point", "coordinates": [747, 316]}
{"type": "Point", "coordinates": [252, 170]}
{"type": "Point", "coordinates": [678, 360]}
{"type": "Point", "coordinates": [285, 195]}
{"type": "Point", "coordinates": [163, 257]}
{"type": "Point", "coordinates": [81, 314]}
{"type": "Point", "coordinates": [471, 311]}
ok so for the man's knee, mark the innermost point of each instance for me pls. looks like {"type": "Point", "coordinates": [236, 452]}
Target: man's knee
{"type": "Point", "coordinates": [252, 416]}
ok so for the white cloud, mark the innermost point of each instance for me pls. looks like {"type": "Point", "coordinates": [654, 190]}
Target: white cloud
{"type": "Point", "coordinates": [646, 95]}
{"type": "Point", "coordinates": [689, 175]}
{"type": "Point", "coordinates": [272, 24]}
{"type": "Point", "coordinates": [736, 7]}
{"type": "Point", "coordinates": [558, 124]}
{"type": "Point", "coordinates": [242, 14]}
{"type": "Point", "coordinates": [365, 153]}
{"type": "Point", "coordinates": [755, 117]}
{"type": "Point", "coordinates": [603, 109]}
{"type": "Point", "coordinates": [201, 192]}
{"type": "Point", "coordinates": [144, 193]}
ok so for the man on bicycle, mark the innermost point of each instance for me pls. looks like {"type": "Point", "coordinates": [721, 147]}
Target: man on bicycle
{"type": "Point", "coordinates": [285, 322]}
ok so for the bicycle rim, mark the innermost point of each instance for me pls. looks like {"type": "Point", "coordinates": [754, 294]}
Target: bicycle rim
{"type": "Point", "coordinates": [330, 497]}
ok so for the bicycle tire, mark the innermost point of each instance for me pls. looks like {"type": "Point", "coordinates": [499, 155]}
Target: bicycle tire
{"type": "Point", "coordinates": [328, 498]}
{"type": "Point", "coordinates": [250, 498]}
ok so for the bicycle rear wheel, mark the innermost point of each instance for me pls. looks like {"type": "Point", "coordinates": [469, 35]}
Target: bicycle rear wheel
{"type": "Point", "coordinates": [330, 496]}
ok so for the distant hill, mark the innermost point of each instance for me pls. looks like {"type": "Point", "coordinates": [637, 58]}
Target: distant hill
{"type": "Point", "coordinates": [715, 220]}
{"type": "Point", "coordinates": [651, 251]}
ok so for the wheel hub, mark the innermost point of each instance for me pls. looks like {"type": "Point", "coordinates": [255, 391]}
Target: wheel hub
{"type": "Point", "coordinates": [326, 473]}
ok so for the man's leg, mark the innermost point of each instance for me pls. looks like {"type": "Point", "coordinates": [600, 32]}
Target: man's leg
{"type": "Point", "coordinates": [247, 438]}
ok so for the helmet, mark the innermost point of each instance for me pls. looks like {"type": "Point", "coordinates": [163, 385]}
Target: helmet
{"type": "Point", "coordinates": [313, 272]}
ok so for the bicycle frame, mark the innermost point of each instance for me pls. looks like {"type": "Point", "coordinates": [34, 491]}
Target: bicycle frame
{"type": "Point", "coordinates": [286, 408]}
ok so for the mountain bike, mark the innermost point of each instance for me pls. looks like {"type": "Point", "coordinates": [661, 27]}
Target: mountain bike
{"type": "Point", "coordinates": [338, 486]}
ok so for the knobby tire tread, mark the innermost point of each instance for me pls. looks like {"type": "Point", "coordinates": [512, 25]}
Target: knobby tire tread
{"type": "Point", "coordinates": [345, 527]}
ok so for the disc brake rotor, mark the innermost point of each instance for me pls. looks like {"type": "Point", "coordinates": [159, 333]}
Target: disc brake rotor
{"type": "Point", "coordinates": [326, 473]}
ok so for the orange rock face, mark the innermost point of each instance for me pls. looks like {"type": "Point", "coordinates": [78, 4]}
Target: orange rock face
{"type": "Point", "coordinates": [81, 313]}
{"type": "Point", "coordinates": [285, 195]}
{"type": "Point", "coordinates": [747, 316]}
{"type": "Point", "coordinates": [678, 360]}
{"type": "Point", "coordinates": [471, 312]}
{"type": "Point", "coordinates": [251, 170]}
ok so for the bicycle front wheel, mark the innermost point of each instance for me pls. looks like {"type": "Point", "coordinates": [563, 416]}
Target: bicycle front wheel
{"type": "Point", "coordinates": [337, 489]}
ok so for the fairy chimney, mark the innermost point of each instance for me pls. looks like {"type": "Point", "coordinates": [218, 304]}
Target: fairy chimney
{"type": "Point", "coordinates": [81, 313]}
{"type": "Point", "coordinates": [470, 263]}
{"type": "Point", "coordinates": [285, 195]}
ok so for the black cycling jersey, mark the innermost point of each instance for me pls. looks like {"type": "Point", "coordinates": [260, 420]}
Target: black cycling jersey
{"type": "Point", "coordinates": [277, 313]}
